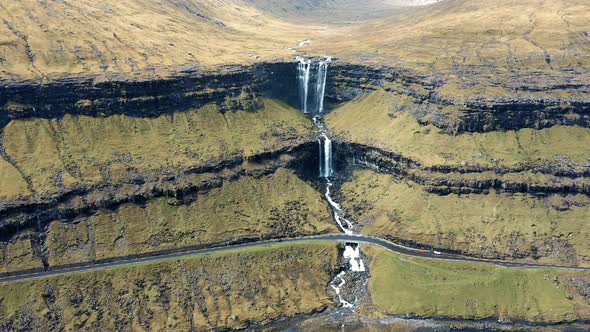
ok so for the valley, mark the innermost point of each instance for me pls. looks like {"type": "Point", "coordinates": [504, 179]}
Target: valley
{"type": "Point", "coordinates": [211, 165]}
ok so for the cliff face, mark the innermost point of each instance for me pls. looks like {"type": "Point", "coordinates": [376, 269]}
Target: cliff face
{"type": "Point", "coordinates": [206, 103]}
{"type": "Point", "coordinates": [78, 146]}
{"type": "Point", "coordinates": [230, 88]}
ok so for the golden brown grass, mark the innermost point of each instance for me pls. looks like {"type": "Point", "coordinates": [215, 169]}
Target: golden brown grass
{"type": "Point", "coordinates": [140, 35]}
{"type": "Point", "coordinates": [12, 184]}
{"type": "Point", "coordinates": [472, 32]}
{"type": "Point", "coordinates": [89, 37]}
{"type": "Point", "coordinates": [18, 254]}
{"type": "Point", "coordinates": [377, 120]}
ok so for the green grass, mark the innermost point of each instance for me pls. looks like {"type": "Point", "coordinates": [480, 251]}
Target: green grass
{"type": "Point", "coordinates": [219, 290]}
{"type": "Point", "coordinates": [12, 184]}
{"type": "Point", "coordinates": [487, 225]}
{"type": "Point", "coordinates": [424, 287]}
{"type": "Point", "coordinates": [277, 205]}
{"type": "Point", "coordinates": [18, 254]}
{"type": "Point", "coordinates": [79, 150]}
{"type": "Point", "coordinates": [380, 120]}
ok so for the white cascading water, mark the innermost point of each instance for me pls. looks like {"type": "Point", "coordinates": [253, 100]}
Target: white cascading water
{"type": "Point", "coordinates": [351, 251]}
{"type": "Point", "coordinates": [321, 84]}
{"type": "Point", "coordinates": [303, 73]}
{"type": "Point", "coordinates": [321, 158]}
{"type": "Point", "coordinates": [336, 288]}
{"type": "Point", "coordinates": [325, 156]}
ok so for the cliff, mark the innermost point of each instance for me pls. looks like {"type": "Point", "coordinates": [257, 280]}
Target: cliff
{"type": "Point", "coordinates": [128, 128]}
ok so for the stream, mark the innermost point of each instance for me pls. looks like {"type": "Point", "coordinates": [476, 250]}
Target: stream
{"type": "Point", "coordinates": [315, 107]}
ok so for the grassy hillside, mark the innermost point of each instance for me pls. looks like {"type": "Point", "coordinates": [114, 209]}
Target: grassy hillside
{"type": "Point", "coordinates": [277, 205]}
{"type": "Point", "coordinates": [554, 227]}
{"type": "Point", "coordinates": [456, 32]}
{"type": "Point", "coordinates": [61, 154]}
{"type": "Point", "coordinates": [85, 37]}
{"type": "Point", "coordinates": [20, 253]}
{"type": "Point", "coordinates": [425, 287]}
{"type": "Point", "coordinates": [13, 185]}
{"type": "Point", "coordinates": [222, 290]}
{"type": "Point", "coordinates": [45, 39]}
{"type": "Point", "coordinates": [383, 120]}
{"type": "Point", "coordinates": [335, 12]}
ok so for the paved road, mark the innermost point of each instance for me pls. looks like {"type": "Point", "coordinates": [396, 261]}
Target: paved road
{"type": "Point", "coordinates": [328, 237]}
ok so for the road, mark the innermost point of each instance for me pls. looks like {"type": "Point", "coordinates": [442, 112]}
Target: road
{"type": "Point", "coordinates": [363, 239]}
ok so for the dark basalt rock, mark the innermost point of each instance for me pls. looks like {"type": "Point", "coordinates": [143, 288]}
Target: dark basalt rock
{"type": "Point", "coordinates": [30, 220]}
{"type": "Point", "coordinates": [478, 114]}
{"type": "Point", "coordinates": [232, 88]}
{"type": "Point", "coordinates": [16, 216]}
{"type": "Point", "coordinates": [239, 87]}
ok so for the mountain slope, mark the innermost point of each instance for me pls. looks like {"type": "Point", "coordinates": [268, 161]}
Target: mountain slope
{"type": "Point", "coordinates": [452, 39]}
{"type": "Point", "coordinates": [83, 37]}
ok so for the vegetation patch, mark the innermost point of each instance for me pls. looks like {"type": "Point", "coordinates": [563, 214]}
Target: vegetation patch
{"type": "Point", "coordinates": [12, 184]}
{"type": "Point", "coordinates": [77, 151]}
{"type": "Point", "coordinates": [383, 120]}
{"type": "Point", "coordinates": [21, 253]}
{"type": "Point", "coordinates": [413, 286]}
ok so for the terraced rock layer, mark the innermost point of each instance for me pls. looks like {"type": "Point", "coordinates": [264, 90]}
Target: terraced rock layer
{"type": "Point", "coordinates": [74, 147]}
{"type": "Point", "coordinates": [94, 188]}
{"type": "Point", "coordinates": [504, 194]}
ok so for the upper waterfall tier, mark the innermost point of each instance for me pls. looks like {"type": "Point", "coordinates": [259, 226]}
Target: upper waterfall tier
{"type": "Point", "coordinates": [310, 72]}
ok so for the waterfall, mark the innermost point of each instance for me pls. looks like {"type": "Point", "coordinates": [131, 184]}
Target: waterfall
{"type": "Point", "coordinates": [320, 158]}
{"type": "Point", "coordinates": [303, 72]}
{"type": "Point", "coordinates": [326, 153]}
{"type": "Point", "coordinates": [304, 69]}
{"type": "Point", "coordinates": [352, 251]}
{"type": "Point", "coordinates": [325, 149]}
{"type": "Point", "coordinates": [321, 84]}
{"type": "Point", "coordinates": [325, 156]}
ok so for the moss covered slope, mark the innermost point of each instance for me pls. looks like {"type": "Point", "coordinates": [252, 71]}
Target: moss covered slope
{"type": "Point", "coordinates": [425, 287]}
{"type": "Point", "coordinates": [277, 205]}
{"type": "Point", "coordinates": [384, 120]}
